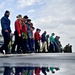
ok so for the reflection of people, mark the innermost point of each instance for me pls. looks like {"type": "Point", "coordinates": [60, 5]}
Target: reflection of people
{"type": "Point", "coordinates": [44, 70]}
{"type": "Point", "coordinates": [52, 69]}
{"type": "Point", "coordinates": [6, 31]}
{"type": "Point", "coordinates": [37, 70]}
{"type": "Point", "coordinates": [7, 71]}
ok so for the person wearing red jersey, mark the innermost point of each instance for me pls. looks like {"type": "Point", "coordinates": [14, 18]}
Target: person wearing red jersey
{"type": "Point", "coordinates": [37, 40]}
{"type": "Point", "coordinates": [18, 35]}
{"type": "Point", "coordinates": [24, 34]}
{"type": "Point", "coordinates": [37, 70]}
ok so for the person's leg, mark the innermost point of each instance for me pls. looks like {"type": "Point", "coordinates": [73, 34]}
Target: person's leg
{"type": "Point", "coordinates": [27, 45]}
{"type": "Point", "coordinates": [6, 41]}
{"type": "Point", "coordinates": [19, 45]}
{"type": "Point", "coordinates": [56, 68]}
{"type": "Point", "coordinates": [15, 42]}
{"type": "Point", "coordinates": [13, 47]}
{"type": "Point", "coordinates": [56, 48]}
{"type": "Point", "coordinates": [6, 37]}
{"type": "Point", "coordinates": [42, 46]}
{"type": "Point", "coordinates": [44, 70]}
{"type": "Point", "coordinates": [37, 71]}
{"type": "Point", "coordinates": [46, 47]}
{"type": "Point", "coordinates": [32, 44]}
{"type": "Point", "coordinates": [18, 70]}
{"type": "Point", "coordinates": [52, 69]}
{"type": "Point", "coordinates": [36, 46]}
{"type": "Point", "coordinates": [7, 71]}
{"type": "Point", "coordinates": [52, 47]}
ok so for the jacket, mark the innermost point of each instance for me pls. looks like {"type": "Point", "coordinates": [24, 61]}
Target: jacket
{"type": "Point", "coordinates": [43, 37]}
{"type": "Point", "coordinates": [5, 23]}
{"type": "Point", "coordinates": [24, 28]}
{"type": "Point", "coordinates": [37, 36]}
{"type": "Point", "coordinates": [29, 33]}
{"type": "Point", "coordinates": [18, 26]}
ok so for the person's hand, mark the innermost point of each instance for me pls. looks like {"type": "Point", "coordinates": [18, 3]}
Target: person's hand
{"type": "Point", "coordinates": [6, 30]}
{"type": "Point", "coordinates": [11, 34]}
{"type": "Point", "coordinates": [38, 41]}
{"type": "Point", "coordinates": [19, 35]}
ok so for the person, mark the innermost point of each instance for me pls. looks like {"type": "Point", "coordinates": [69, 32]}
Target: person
{"type": "Point", "coordinates": [44, 70]}
{"type": "Point", "coordinates": [18, 70]}
{"type": "Point", "coordinates": [6, 31]}
{"type": "Point", "coordinates": [44, 43]}
{"type": "Point", "coordinates": [24, 34]}
{"type": "Point", "coordinates": [32, 37]}
{"type": "Point", "coordinates": [47, 40]}
{"type": "Point", "coordinates": [37, 40]}
{"type": "Point", "coordinates": [18, 35]}
{"type": "Point", "coordinates": [29, 34]}
{"type": "Point", "coordinates": [54, 68]}
{"type": "Point", "coordinates": [60, 48]}
{"type": "Point", "coordinates": [68, 48]}
{"type": "Point", "coordinates": [52, 47]}
{"type": "Point", "coordinates": [56, 43]}
{"type": "Point", "coordinates": [37, 70]}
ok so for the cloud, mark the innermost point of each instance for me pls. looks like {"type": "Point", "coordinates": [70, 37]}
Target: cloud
{"type": "Point", "coordinates": [67, 21]}
{"type": "Point", "coordinates": [31, 11]}
{"type": "Point", "coordinates": [46, 23]}
{"type": "Point", "coordinates": [2, 5]}
{"type": "Point", "coordinates": [25, 3]}
{"type": "Point", "coordinates": [56, 13]}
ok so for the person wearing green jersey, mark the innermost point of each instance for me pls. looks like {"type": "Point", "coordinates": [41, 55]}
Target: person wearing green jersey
{"type": "Point", "coordinates": [52, 47]}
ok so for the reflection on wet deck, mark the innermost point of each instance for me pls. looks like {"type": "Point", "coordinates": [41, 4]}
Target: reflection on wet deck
{"type": "Point", "coordinates": [66, 62]}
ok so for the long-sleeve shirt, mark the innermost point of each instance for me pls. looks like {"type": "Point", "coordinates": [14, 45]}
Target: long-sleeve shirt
{"type": "Point", "coordinates": [5, 23]}
{"type": "Point", "coordinates": [18, 27]}
{"type": "Point", "coordinates": [37, 36]}
{"type": "Point", "coordinates": [43, 37]}
{"type": "Point", "coordinates": [24, 28]}
{"type": "Point", "coordinates": [52, 39]}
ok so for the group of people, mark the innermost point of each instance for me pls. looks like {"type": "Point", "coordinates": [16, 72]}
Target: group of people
{"type": "Point", "coordinates": [26, 41]}
{"type": "Point", "coordinates": [68, 48]}
{"type": "Point", "coordinates": [30, 70]}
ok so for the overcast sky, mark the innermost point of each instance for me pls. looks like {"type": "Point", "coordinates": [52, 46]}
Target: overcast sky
{"type": "Point", "coordinates": [56, 16]}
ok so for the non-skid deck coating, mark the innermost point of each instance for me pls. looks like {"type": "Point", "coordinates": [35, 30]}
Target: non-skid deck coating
{"type": "Point", "coordinates": [39, 59]}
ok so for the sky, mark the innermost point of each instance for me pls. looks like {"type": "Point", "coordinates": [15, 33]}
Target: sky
{"type": "Point", "coordinates": [56, 16]}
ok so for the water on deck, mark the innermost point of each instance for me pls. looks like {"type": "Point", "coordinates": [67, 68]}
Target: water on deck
{"type": "Point", "coordinates": [65, 61]}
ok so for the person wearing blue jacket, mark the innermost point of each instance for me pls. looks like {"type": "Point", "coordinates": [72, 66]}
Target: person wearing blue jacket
{"type": "Point", "coordinates": [44, 43]}
{"type": "Point", "coordinates": [29, 34]}
{"type": "Point", "coordinates": [6, 31]}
